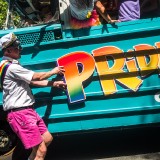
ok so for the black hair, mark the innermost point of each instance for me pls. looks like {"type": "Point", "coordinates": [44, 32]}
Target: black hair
{"type": "Point", "coordinates": [88, 3]}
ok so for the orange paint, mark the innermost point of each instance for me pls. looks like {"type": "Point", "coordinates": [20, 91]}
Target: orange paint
{"type": "Point", "coordinates": [109, 75]}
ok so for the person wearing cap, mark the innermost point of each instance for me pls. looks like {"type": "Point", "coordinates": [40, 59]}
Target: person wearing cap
{"type": "Point", "coordinates": [18, 100]}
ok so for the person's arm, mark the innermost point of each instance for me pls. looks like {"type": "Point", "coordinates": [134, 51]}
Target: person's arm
{"type": "Point", "coordinates": [102, 11]}
{"type": "Point", "coordinates": [47, 83]}
{"type": "Point", "coordinates": [44, 75]}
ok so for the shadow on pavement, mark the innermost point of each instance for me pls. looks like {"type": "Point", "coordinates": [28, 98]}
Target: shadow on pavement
{"type": "Point", "coordinates": [107, 145]}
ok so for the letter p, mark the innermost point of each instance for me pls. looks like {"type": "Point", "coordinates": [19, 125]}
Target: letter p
{"type": "Point", "coordinates": [79, 66]}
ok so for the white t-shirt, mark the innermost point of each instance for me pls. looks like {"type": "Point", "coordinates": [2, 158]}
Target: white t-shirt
{"type": "Point", "coordinates": [79, 8]}
{"type": "Point", "coordinates": [16, 90]}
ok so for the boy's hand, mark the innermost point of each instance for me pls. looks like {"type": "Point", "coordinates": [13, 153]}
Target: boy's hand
{"type": "Point", "coordinates": [60, 84]}
{"type": "Point", "coordinates": [58, 70]}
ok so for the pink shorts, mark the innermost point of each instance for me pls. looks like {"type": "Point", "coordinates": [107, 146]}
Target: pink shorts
{"type": "Point", "coordinates": [28, 126]}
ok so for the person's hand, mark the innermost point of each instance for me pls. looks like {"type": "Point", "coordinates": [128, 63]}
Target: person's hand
{"type": "Point", "coordinates": [60, 84]}
{"type": "Point", "coordinates": [58, 70]}
{"type": "Point", "coordinates": [113, 21]}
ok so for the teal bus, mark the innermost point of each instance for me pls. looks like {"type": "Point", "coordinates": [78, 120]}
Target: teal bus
{"type": "Point", "coordinates": [111, 72]}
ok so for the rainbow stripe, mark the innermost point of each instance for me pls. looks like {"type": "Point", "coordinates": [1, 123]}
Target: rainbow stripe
{"type": "Point", "coordinates": [74, 76]}
{"type": "Point", "coordinates": [3, 69]}
{"type": "Point", "coordinates": [88, 22]}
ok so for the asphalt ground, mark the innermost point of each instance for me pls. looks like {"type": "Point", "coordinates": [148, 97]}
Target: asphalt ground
{"type": "Point", "coordinates": [135, 144]}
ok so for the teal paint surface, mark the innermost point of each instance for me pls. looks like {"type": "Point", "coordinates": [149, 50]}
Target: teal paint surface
{"type": "Point", "coordinates": [125, 108]}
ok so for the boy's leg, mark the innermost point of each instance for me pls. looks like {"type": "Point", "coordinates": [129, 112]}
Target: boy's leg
{"type": "Point", "coordinates": [47, 137]}
{"type": "Point", "coordinates": [39, 152]}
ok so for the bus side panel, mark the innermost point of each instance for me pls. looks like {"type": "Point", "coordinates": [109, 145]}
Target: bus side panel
{"type": "Point", "coordinates": [123, 90]}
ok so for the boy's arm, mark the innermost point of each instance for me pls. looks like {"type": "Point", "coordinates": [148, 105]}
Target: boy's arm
{"type": "Point", "coordinates": [45, 75]}
{"type": "Point", "coordinates": [46, 83]}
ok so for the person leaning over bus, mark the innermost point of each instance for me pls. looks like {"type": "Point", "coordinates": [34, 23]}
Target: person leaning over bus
{"type": "Point", "coordinates": [127, 10]}
{"type": "Point", "coordinates": [103, 6]}
{"type": "Point", "coordinates": [18, 100]}
{"type": "Point", "coordinates": [83, 14]}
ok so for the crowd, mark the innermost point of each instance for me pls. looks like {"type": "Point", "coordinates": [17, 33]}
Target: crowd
{"type": "Point", "coordinates": [86, 13]}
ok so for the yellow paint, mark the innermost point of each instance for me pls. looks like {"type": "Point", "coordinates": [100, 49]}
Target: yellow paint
{"type": "Point", "coordinates": [108, 75]}
{"type": "Point", "coordinates": [144, 52]}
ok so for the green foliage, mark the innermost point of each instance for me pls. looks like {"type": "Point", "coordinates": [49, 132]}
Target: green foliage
{"type": "Point", "coordinates": [3, 14]}
{"type": "Point", "coordinates": [16, 19]}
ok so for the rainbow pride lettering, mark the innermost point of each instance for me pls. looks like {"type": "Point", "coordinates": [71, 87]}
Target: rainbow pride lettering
{"type": "Point", "coordinates": [79, 66]}
{"type": "Point", "coordinates": [72, 63]}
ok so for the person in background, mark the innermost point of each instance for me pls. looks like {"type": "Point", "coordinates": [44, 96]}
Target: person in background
{"type": "Point", "coordinates": [127, 10]}
{"type": "Point", "coordinates": [18, 100]}
{"type": "Point", "coordinates": [111, 5]}
{"type": "Point", "coordinates": [83, 14]}
{"type": "Point", "coordinates": [46, 14]}
{"type": "Point", "coordinates": [44, 9]}
{"type": "Point", "coordinates": [103, 6]}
